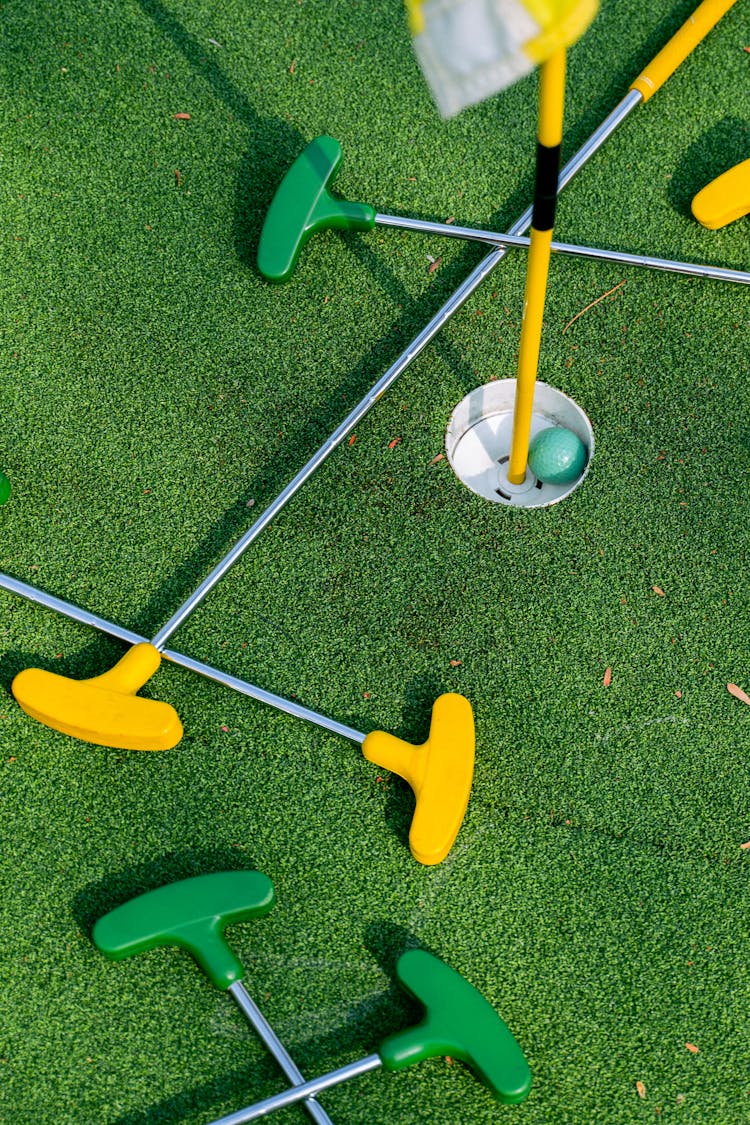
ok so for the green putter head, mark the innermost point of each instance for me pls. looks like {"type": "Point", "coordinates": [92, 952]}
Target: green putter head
{"type": "Point", "coordinates": [458, 1022]}
{"type": "Point", "coordinates": [5, 489]}
{"type": "Point", "coordinates": [192, 914]}
{"type": "Point", "coordinates": [302, 206]}
{"type": "Point", "coordinates": [440, 772]}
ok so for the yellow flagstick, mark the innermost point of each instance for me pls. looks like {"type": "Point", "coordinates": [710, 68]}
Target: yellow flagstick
{"type": "Point", "coordinates": [551, 101]}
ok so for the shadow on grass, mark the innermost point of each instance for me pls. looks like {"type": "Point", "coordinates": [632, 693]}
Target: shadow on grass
{"type": "Point", "coordinates": [199, 1099]}
{"type": "Point", "coordinates": [719, 149]}
{"type": "Point", "coordinates": [102, 653]}
{"type": "Point", "coordinates": [93, 659]}
{"type": "Point", "coordinates": [273, 147]}
{"type": "Point", "coordinates": [621, 74]}
{"type": "Point", "coordinates": [366, 1025]}
{"type": "Point", "coordinates": [100, 897]}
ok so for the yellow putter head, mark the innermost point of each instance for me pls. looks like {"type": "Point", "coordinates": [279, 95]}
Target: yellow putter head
{"type": "Point", "coordinates": [104, 710]}
{"type": "Point", "coordinates": [725, 199]}
{"type": "Point", "coordinates": [440, 772]}
{"type": "Point", "coordinates": [561, 24]}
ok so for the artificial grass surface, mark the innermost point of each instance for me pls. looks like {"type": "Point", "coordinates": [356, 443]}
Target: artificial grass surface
{"type": "Point", "coordinates": [157, 394]}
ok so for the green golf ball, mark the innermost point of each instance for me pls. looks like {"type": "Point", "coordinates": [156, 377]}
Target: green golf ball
{"type": "Point", "coordinates": [557, 455]}
{"type": "Point", "coordinates": [4, 488]}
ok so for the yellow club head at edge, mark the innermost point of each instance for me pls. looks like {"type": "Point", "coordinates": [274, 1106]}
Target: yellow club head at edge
{"type": "Point", "coordinates": [725, 199]}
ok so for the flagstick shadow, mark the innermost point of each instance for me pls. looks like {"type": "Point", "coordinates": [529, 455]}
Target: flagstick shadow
{"type": "Point", "coordinates": [274, 145]}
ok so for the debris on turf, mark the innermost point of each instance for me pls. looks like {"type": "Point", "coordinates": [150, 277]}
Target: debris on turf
{"type": "Point", "coordinates": [596, 302]}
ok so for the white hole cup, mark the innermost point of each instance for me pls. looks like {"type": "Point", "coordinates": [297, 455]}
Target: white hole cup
{"type": "Point", "coordinates": [478, 439]}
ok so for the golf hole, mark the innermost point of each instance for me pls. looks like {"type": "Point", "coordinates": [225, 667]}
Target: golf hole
{"type": "Point", "coordinates": [477, 442]}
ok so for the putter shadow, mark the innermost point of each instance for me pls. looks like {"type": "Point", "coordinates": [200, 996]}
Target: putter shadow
{"type": "Point", "coordinates": [241, 1087]}
{"type": "Point", "coordinates": [719, 149]}
{"type": "Point", "coordinates": [272, 143]}
{"type": "Point", "coordinates": [85, 662]}
{"type": "Point", "coordinates": [264, 487]}
{"type": "Point", "coordinates": [367, 1022]}
{"type": "Point", "coordinates": [386, 941]}
{"type": "Point", "coordinates": [98, 898]}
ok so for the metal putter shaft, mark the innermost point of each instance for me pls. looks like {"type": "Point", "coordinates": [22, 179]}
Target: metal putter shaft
{"type": "Point", "coordinates": [112, 629]}
{"type": "Point", "coordinates": [193, 914]}
{"type": "Point", "coordinates": [568, 249]}
{"type": "Point", "coordinates": [33, 689]}
{"type": "Point", "coordinates": [303, 206]}
{"type": "Point", "coordinates": [458, 1022]}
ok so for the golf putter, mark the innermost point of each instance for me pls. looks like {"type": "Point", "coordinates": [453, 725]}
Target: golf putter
{"type": "Point", "coordinates": [107, 711]}
{"type": "Point", "coordinates": [5, 489]}
{"type": "Point", "coordinates": [458, 1022]}
{"type": "Point", "coordinates": [193, 914]}
{"type": "Point", "coordinates": [440, 771]}
{"type": "Point", "coordinates": [303, 206]}
{"type": "Point", "coordinates": [725, 199]}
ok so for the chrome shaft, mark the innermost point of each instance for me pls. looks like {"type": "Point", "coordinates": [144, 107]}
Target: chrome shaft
{"type": "Point", "coordinates": [517, 241]}
{"type": "Point", "coordinates": [272, 1043]}
{"type": "Point", "coordinates": [346, 427]}
{"type": "Point", "coordinates": [306, 1090]}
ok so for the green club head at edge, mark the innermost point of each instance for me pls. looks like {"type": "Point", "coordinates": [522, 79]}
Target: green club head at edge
{"type": "Point", "coordinates": [458, 1022]}
{"type": "Point", "coordinates": [5, 488]}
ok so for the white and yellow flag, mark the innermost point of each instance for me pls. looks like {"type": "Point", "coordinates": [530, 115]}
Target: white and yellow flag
{"type": "Point", "coordinates": [470, 49]}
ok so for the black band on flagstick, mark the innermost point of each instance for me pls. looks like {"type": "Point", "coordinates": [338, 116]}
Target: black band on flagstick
{"type": "Point", "coordinates": [545, 189]}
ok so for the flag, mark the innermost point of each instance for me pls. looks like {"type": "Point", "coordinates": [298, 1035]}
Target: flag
{"type": "Point", "coordinates": [471, 49]}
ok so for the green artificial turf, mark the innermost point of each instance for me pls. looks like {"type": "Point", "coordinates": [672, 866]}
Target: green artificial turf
{"type": "Point", "coordinates": [156, 394]}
